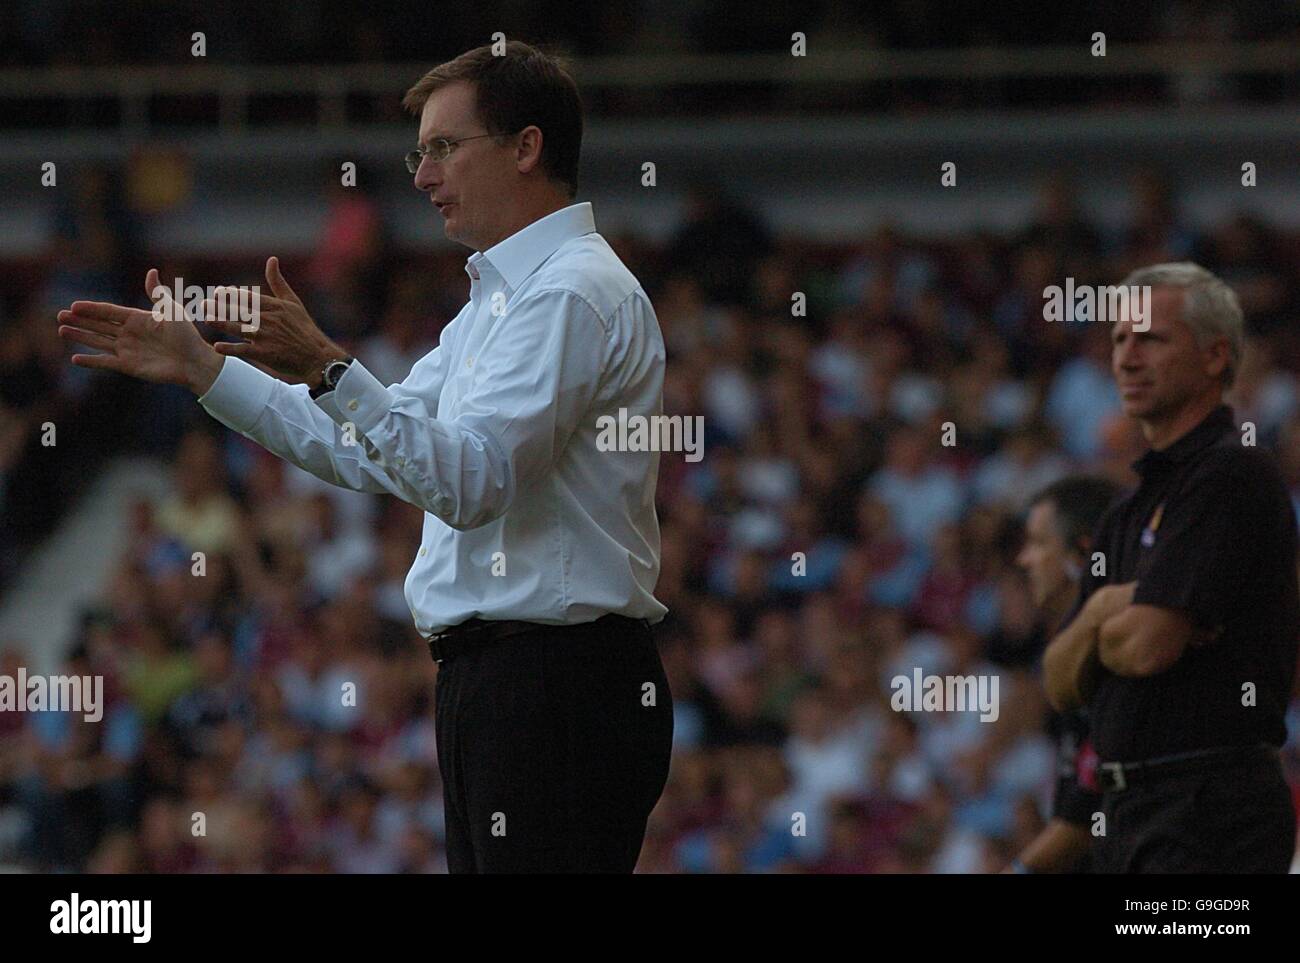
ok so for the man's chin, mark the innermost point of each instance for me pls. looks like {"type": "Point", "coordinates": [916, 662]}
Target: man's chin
{"type": "Point", "coordinates": [1046, 598]}
{"type": "Point", "coordinates": [1137, 407]}
{"type": "Point", "coordinates": [453, 233]}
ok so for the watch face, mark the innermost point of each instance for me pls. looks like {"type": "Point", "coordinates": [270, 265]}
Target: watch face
{"type": "Point", "coordinates": [334, 371]}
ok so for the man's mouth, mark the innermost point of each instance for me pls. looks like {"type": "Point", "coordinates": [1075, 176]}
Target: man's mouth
{"type": "Point", "coordinates": [442, 206]}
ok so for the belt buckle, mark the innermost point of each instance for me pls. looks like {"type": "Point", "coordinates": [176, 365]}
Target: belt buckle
{"type": "Point", "coordinates": [1116, 771]}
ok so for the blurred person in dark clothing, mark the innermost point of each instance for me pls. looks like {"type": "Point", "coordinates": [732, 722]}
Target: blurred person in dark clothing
{"type": "Point", "coordinates": [1061, 228]}
{"type": "Point", "coordinates": [721, 243]}
{"type": "Point", "coordinates": [1057, 547]}
{"type": "Point", "coordinates": [1250, 257]}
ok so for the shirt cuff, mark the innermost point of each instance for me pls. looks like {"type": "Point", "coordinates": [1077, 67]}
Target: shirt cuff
{"type": "Point", "coordinates": [328, 403]}
{"type": "Point", "coordinates": [239, 394]}
{"type": "Point", "coordinates": [359, 398]}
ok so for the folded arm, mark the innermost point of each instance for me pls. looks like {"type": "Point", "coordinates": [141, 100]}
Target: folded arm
{"type": "Point", "coordinates": [1143, 640]}
{"type": "Point", "coordinates": [1071, 661]}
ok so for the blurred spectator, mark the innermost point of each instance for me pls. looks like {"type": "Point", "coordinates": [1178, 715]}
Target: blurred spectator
{"type": "Point", "coordinates": [719, 243]}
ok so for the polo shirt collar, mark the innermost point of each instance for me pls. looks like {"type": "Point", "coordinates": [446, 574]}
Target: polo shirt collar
{"type": "Point", "coordinates": [1212, 427]}
{"type": "Point", "coordinates": [527, 249]}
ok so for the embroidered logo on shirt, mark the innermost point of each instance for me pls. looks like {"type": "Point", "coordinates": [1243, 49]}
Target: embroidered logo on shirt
{"type": "Point", "coordinates": [1149, 533]}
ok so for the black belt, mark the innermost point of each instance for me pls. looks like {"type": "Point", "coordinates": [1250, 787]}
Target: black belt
{"type": "Point", "coordinates": [1118, 776]}
{"type": "Point", "coordinates": [473, 633]}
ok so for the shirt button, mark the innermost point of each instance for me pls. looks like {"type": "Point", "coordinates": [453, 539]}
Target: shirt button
{"type": "Point", "coordinates": [469, 362]}
{"type": "Point", "coordinates": [423, 551]}
{"type": "Point", "coordinates": [352, 405]}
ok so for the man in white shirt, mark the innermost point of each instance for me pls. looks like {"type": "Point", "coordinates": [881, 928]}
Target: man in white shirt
{"type": "Point", "coordinates": [535, 576]}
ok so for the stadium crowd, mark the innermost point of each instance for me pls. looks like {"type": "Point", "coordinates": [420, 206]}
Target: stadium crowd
{"type": "Point", "coordinates": [827, 541]}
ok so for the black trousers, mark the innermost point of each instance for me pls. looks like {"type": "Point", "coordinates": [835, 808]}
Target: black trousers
{"type": "Point", "coordinates": [553, 747]}
{"type": "Point", "coordinates": [1233, 819]}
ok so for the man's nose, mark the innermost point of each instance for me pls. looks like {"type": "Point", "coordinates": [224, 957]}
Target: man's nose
{"type": "Point", "coordinates": [425, 175]}
{"type": "Point", "coordinates": [1125, 355]}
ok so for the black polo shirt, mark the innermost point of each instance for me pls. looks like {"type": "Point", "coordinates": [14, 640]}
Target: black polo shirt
{"type": "Point", "coordinates": [1209, 532]}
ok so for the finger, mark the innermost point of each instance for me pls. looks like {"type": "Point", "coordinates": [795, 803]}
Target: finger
{"type": "Point", "coordinates": [232, 348]}
{"type": "Point", "coordinates": [236, 297]}
{"type": "Point", "coordinates": [227, 321]}
{"type": "Point", "coordinates": [89, 338]}
{"type": "Point", "coordinates": [107, 362]}
{"type": "Point", "coordinates": [151, 283]}
{"type": "Point", "coordinates": [90, 324]}
{"type": "Point", "coordinates": [104, 311]}
{"type": "Point", "coordinates": [279, 286]}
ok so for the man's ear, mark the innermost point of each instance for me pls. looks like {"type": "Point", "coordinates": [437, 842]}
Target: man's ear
{"type": "Point", "coordinates": [530, 147]}
{"type": "Point", "coordinates": [1073, 570]}
{"type": "Point", "coordinates": [1076, 559]}
{"type": "Point", "coordinates": [1220, 357]}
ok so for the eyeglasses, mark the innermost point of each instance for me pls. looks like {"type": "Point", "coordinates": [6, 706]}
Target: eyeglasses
{"type": "Point", "coordinates": [439, 149]}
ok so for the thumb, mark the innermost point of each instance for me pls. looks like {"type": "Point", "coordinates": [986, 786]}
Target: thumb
{"type": "Point", "coordinates": [279, 286]}
{"type": "Point", "coordinates": [164, 305]}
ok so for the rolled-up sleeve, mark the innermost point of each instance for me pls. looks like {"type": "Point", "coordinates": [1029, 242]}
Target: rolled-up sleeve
{"type": "Point", "coordinates": [531, 383]}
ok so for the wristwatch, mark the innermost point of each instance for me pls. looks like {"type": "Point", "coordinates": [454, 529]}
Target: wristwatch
{"type": "Point", "coordinates": [329, 377]}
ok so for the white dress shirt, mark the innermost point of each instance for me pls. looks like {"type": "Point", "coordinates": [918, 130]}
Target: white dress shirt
{"type": "Point", "coordinates": [494, 435]}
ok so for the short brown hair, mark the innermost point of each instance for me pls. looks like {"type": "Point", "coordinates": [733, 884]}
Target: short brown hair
{"type": "Point", "coordinates": [526, 86]}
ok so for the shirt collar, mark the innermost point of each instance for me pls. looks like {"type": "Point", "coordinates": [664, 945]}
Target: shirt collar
{"type": "Point", "coordinates": [527, 249]}
{"type": "Point", "coordinates": [1212, 427]}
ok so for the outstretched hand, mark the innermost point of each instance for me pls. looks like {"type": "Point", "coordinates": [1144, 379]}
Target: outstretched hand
{"type": "Point", "coordinates": [159, 345]}
{"type": "Point", "coordinates": [279, 334]}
